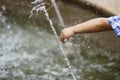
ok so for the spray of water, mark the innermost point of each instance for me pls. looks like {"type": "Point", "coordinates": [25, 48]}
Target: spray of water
{"type": "Point", "coordinates": [41, 7]}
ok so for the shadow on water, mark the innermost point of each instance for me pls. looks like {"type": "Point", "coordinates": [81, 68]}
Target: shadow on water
{"type": "Point", "coordinates": [29, 51]}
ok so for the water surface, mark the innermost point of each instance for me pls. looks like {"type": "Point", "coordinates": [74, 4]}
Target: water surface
{"type": "Point", "coordinates": [29, 50]}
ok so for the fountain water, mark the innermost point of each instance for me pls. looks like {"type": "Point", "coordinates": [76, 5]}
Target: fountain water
{"type": "Point", "coordinates": [30, 51]}
{"type": "Point", "coordinates": [58, 13]}
{"type": "Point", "coordinates": [41, 7]}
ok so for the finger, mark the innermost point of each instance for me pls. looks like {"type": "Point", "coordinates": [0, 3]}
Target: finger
{"type": "Point", "coordinates": [62, 38]}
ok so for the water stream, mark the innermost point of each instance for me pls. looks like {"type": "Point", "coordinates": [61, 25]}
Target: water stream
{"type": "Point", "coordinates": [41, 7]}
{"type": "Point", "coordinates": [58, 13]}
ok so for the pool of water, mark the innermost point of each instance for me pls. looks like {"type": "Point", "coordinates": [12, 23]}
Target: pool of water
{"type": "Point", "coordinates": [29, 50]}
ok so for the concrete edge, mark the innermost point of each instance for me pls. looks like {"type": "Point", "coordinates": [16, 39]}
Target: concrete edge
{"type": "Point", "coordinates": [91, 6]}
{"type": "Point", "coordinates": [97, 7]}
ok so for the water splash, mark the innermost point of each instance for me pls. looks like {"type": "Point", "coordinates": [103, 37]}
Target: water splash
{"type": "Point", "coordinates": [2, 18]}
{"type": "Point", "coordinates": [37, 1]}
{"type": "Point", "coordinates": [41, 7]}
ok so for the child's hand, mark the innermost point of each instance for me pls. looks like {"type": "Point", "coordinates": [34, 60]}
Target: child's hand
{"type": "Point", "coordinates": [66, 33]}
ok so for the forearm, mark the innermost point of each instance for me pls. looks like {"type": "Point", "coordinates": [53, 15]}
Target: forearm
{"type": "Point", "coordinates": [94, 25]}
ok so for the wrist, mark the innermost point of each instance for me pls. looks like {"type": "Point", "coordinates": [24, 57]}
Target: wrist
{"type": "Point", "coordinates": [71, 31]}
{"type": "Point", "coordinates": [74, 29]}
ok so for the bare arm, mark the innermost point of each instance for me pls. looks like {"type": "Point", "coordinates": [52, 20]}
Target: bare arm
{"type": "Point", "coordinates": [94, 25]}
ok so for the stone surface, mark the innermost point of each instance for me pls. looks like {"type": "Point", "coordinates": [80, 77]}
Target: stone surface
{"type": "Point", "coordinates": [111, 6]}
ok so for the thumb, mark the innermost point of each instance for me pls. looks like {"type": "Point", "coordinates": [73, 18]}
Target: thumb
{"type": "Point", "coordinates": [62, 38]}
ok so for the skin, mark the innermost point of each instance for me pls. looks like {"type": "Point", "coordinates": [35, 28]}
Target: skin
{"type": "Point", "coordinates": [91, 26]}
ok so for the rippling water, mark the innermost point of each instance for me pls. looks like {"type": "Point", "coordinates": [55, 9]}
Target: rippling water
{"type": "Point", "coordinates": [29, 50]}
{"type": "Point", "coordinates": [28, 54]}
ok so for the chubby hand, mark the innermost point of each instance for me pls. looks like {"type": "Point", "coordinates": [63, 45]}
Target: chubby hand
{"type": "Point", "coordinates": [66, 33]}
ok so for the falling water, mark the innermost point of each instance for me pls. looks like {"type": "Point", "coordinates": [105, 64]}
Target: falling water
{"type": "Point", "coordinates": [58, 13]}
{"type": "Point", "coordinates": [41, 7]}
